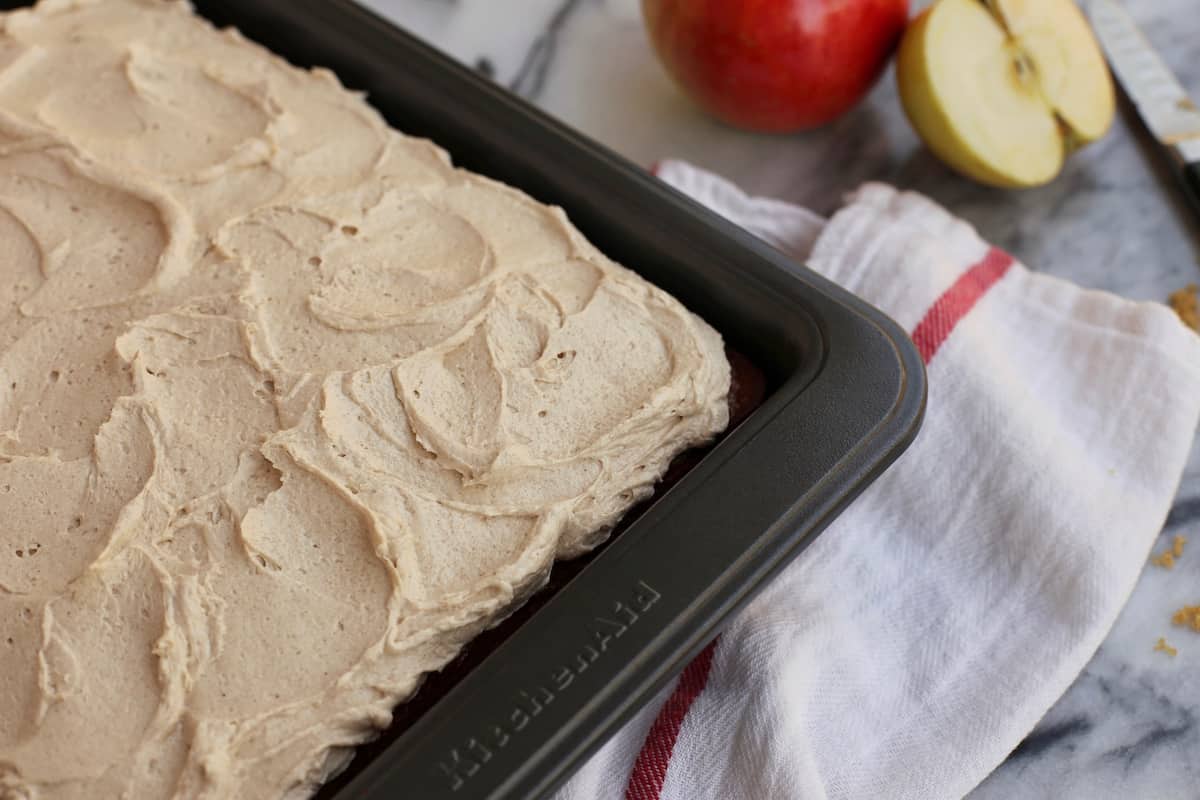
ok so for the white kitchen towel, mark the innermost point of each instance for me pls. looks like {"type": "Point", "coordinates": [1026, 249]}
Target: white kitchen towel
{"type": "Point", "coordinates": [925, 633]}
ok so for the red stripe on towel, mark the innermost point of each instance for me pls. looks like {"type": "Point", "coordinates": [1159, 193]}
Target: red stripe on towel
{"type": "Point", "coordinates": [957, 301]}
{"type": "Point", "coordinates": [650, 769]}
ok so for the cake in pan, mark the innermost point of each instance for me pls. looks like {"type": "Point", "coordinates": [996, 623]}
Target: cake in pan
{"type": "Point", "coordinates": [290, 408]}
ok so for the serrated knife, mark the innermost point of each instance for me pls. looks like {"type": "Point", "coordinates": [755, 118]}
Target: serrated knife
{"type": "Point", "coordinates": [1162, 103]}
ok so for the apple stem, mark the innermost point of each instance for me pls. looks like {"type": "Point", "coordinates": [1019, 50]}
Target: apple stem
{"type": "Point", "coordinates": [994, 9]}
{"type": "Point", "coordinates": [1023, 63]}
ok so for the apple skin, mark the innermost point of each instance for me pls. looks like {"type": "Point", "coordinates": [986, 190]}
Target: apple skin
{"type": "Point", "coordinates": [775, 65]}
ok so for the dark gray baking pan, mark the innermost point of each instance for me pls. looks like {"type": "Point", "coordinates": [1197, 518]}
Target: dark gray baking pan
{"type": "Point", "coordinates": [845, 392]}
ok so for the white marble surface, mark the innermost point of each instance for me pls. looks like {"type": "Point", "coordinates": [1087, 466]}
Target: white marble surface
{"type": "Point", "coordinates": [1130, 726]}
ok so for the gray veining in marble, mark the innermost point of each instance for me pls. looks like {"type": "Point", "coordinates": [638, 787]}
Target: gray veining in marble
{"type": "Point", "coordinates": [1130, 726]}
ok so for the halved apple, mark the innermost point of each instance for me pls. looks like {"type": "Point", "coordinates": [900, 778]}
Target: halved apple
{"type": "Point", "coordinates": [1003, 90]}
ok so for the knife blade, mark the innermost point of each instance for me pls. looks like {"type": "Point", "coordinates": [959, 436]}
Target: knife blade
{"type": "Point", "coordinates": [1161, 101]}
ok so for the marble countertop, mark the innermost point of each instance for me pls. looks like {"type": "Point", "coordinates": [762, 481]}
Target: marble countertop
{"type": "Point", "coordinates": [1130, 725]}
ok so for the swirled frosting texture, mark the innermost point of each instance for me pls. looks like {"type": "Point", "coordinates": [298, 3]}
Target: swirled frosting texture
{"type": "Point", "coordinates": [290, 408]}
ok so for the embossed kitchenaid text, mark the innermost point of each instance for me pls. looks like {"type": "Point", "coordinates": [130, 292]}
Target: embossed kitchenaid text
{"type": "Point", "coordinates": [463, 762]}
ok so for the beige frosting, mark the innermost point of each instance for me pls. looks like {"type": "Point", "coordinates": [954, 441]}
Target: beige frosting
{"type": "Point", "coordinates": [290, 408]}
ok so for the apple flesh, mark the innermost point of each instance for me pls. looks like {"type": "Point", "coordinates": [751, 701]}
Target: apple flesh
{"type": "Point", "coordinates": [1003, 90]}
{"type": "Point", "coordinates": [775, 65]}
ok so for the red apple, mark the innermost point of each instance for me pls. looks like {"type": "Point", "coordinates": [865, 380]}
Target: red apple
{"type": "Point", "coordinates": [775, 65]}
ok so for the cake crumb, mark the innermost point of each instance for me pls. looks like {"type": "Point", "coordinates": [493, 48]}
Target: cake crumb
{"type": "Point", "coordinates": [1165, 559]}
{"type": "Point", "coordinates": [1187, 306]}
{"type": "Point", "coordinates": [1188, 616]}
{"type": "Point", "coordinates": [1161, 645]}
